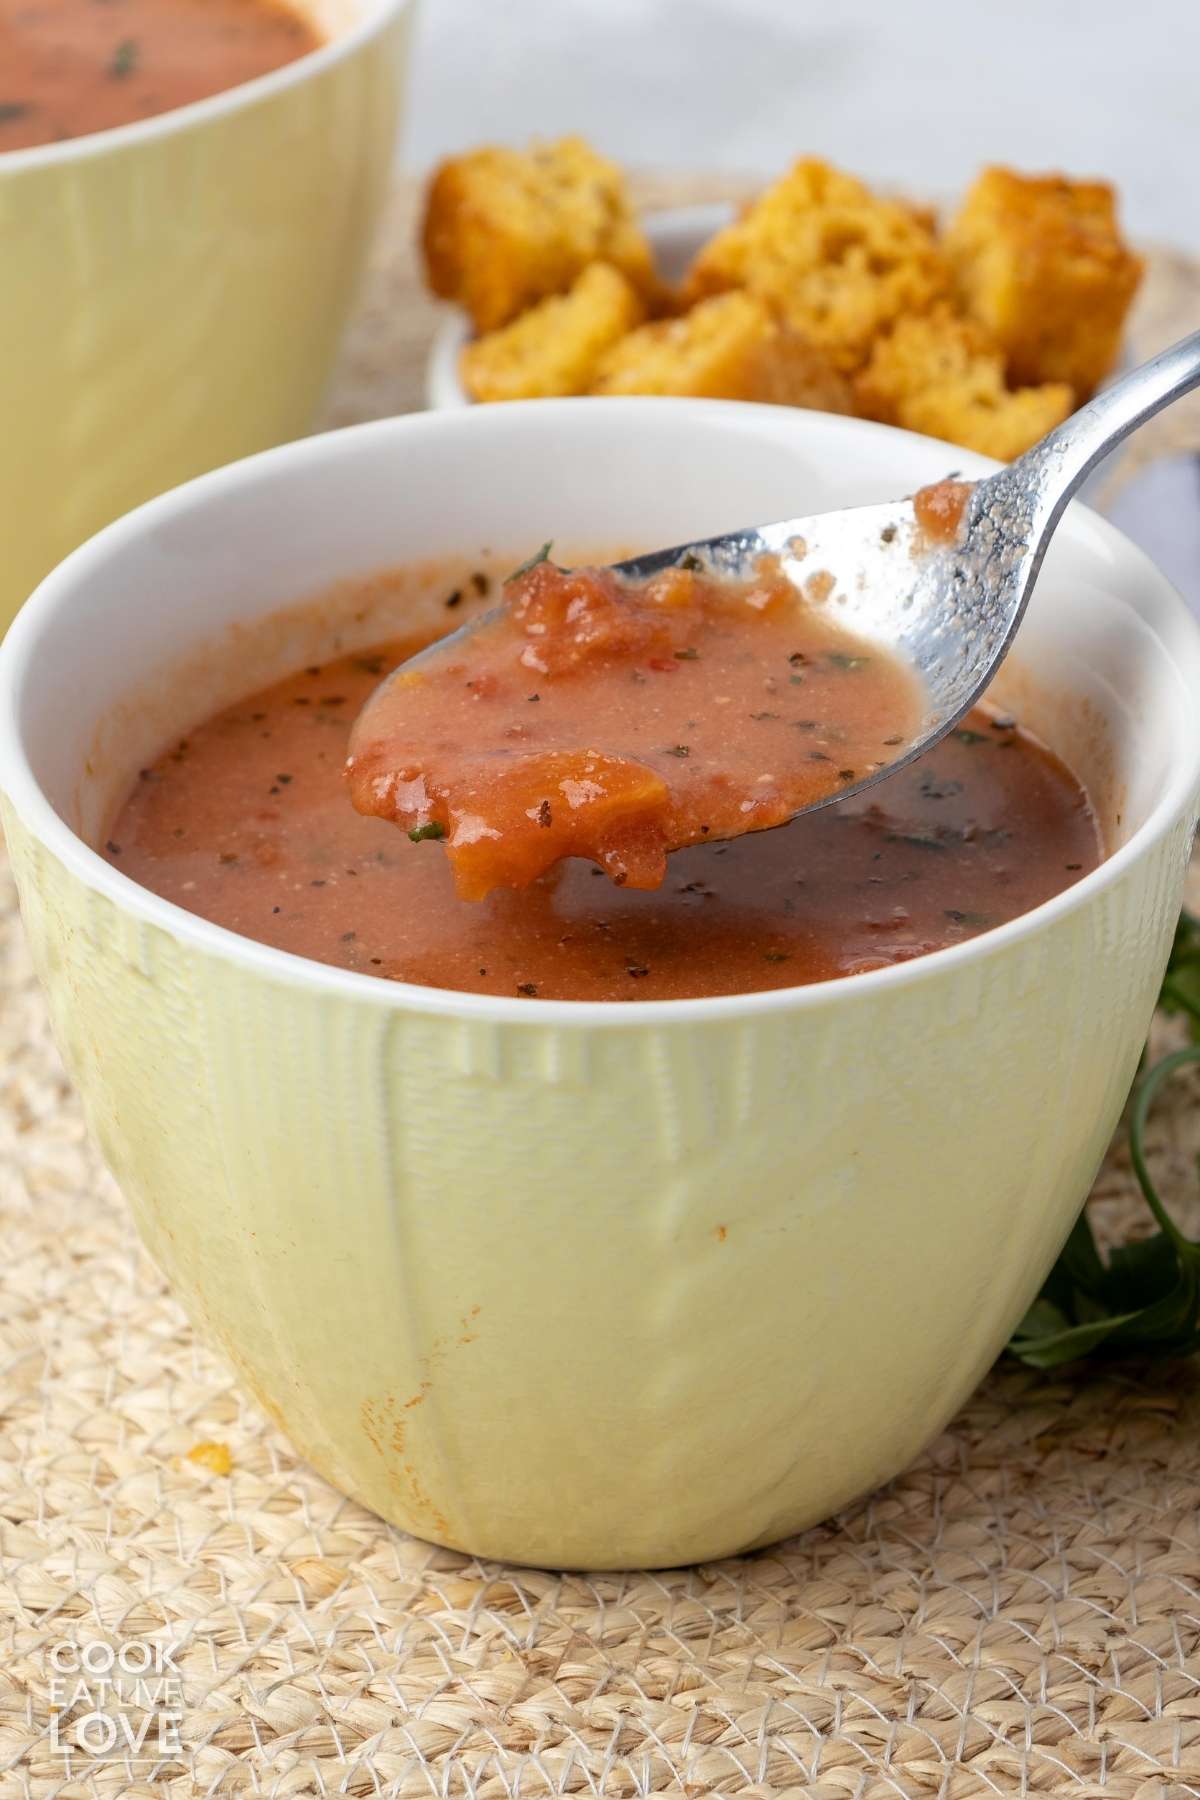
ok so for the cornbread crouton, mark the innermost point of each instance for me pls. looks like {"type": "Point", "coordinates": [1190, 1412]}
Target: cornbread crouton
{"type": "Point", "coordinates": [835, 262]}
{"type": "Point", "coordinates": [727, 348]}
{"type": "Point", "coordinates": [504, 228]}
{"type": "Point", "coordinates": [555, 346]}
{"type": "Point", "coordinates": [1039, 261]}
{"type": "Point", "coordinates": [944, 376]}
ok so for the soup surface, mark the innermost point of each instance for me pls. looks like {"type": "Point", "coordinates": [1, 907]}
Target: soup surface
{"type": "Point", "coordinates": [590, 716]}
{"type": "Point", "coordinates": [247, 822]}
{"type": "Point", "coordinates": [69, 67]}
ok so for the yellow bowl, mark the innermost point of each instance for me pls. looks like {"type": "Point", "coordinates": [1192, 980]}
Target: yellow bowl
{"type": "Point", "coordinates": [171, 292]}
{"type": "Point", "coordinates": [556, 1282]}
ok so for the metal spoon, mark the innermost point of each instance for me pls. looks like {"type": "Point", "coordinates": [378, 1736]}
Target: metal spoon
{"type": "Point", "coordinates": [950, 610]}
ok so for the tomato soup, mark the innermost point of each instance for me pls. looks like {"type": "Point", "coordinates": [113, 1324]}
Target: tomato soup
{"type": "Point", "coordinates": [69, 67]}
{"type": "Point", "coordinates": [592, 716]}
{"type": "Point", "coordinates": [246, 821]}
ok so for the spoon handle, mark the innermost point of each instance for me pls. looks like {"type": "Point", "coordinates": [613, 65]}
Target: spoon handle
{"type": "Point", "coordinates": [1067, 455]}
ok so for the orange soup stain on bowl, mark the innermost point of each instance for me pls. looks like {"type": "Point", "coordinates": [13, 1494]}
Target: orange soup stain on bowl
{"type": "Point", "coordinates": [71, 67]}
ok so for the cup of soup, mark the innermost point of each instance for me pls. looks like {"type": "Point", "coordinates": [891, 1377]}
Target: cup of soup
{"type": "Point", "coordinates": [187, 190]}
{"type": "Point", "coordinates": [583, 1225]}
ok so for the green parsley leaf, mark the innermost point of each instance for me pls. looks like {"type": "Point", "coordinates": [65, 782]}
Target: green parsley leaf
{"type": "Point", "coordinates": [531, 562]}
{"type": "Point", "coordinates": [1145, 1300]}
{"type": "Point", "coordinates": [1181, 984]}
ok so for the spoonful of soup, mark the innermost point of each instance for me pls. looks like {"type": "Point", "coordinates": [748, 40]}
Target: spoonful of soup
{"type": "Point", "coordinates": [723, 686]}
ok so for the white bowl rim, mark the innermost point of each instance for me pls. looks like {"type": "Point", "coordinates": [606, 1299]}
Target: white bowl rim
{"type": "Point", "coordinates": [40, 818]}
{"type": "Point", "coordinates": [376, 15]}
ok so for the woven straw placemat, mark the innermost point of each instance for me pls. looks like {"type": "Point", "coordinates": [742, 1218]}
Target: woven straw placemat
{"type": "Point", "coordinates": [1017, 1613]}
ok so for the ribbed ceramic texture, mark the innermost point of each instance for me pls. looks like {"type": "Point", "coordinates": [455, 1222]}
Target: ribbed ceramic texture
{"type": "Point", "coordinates": [172, 303]}
{"type": "Point", "coordinates": [475, 1269]}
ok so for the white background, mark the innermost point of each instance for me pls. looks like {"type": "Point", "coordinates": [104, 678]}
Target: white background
{"type": "Point", "coordinates": [918, 94]}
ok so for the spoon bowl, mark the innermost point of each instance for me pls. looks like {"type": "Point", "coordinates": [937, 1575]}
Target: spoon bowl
{"type": "Point", "coordinates": [950, 609]}
{"type": "Point", "coordinates": [944, 597]}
